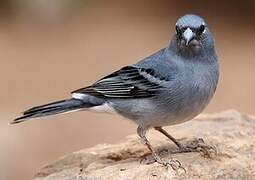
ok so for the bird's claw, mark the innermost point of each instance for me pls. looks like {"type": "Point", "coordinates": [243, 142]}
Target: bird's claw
{"type": "Point", "coordinates": [198, 145]}
{"type": "Point", "coordinates": [173, 163]}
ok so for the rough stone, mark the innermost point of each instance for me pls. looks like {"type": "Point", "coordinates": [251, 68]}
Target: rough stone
{"type": "Point", "coordinates": [232, 133]}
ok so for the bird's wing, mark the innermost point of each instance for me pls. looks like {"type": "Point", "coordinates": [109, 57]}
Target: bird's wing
{"type": "Point", "coordinates": [128, 82]}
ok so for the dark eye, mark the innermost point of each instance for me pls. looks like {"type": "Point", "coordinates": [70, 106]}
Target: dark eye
{"type": "Point", "coordinates": [178, 30]}
{"type": "Point", "coordinates": [201, 29]}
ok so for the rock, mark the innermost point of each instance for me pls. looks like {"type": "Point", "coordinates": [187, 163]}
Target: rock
{"type": "Point", "coordinates": [232, 133]}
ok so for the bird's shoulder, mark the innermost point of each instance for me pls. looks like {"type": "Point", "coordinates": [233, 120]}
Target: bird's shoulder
{"type": "Point", "coordinates": [128, 82]}
{"type": "Point", "coordinates": [162, 62]}
{"type": "Point", "coordinates": [143, 79]}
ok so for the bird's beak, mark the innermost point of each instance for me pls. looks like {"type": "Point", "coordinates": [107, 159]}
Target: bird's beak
{"type": "Point", "coordinates": [188, 35]}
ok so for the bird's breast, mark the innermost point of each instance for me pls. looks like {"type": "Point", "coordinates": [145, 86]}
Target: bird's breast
{"type": "Point", "coordinates": [193, 93]}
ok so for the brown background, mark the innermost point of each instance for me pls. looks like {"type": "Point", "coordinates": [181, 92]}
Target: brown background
{"type": "Point", "coordinates": [51, 47]}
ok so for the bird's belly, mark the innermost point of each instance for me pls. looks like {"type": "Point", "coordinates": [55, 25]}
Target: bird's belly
{"type": "Point", "coordinates": [167, 109]}
{"type": "Point", "coordinates": [149, 114]}
{"type": "Point", "coordinates": [184, 109]}
{"type": "Point", "coordinates": [183, 114]}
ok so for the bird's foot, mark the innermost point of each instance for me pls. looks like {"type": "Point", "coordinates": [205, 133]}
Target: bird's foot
{"type": "Point", "coordinates": [173, 163]}
{"type": "Point", "coordinates": [198, 145]}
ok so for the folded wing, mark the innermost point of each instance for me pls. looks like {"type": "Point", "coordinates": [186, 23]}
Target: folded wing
{"type": "Point", "coordinates": [128, 82]}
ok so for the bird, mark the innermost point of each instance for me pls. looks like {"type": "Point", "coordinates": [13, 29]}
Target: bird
{"type": "Point", "coordinates": [169, 87]}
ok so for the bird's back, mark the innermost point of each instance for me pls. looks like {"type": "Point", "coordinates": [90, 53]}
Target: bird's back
{"type": "Point", "coordinates": [187, 88]}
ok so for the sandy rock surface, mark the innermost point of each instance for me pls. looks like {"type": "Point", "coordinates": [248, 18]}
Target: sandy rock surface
{"type": "Point", "coordinates": [232, 133]}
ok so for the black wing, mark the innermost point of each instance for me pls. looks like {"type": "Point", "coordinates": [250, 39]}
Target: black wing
{"type": "Point", "coordinates": [128, 82]}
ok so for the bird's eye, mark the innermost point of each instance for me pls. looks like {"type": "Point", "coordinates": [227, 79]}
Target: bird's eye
{"type": "Point", "coordinates": [201, 29]}
{"type": "Point", "coordinates": [178, 30]}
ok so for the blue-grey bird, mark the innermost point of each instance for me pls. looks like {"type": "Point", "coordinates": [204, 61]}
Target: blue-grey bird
{"type": "Point", "coordinates": [169, 87]}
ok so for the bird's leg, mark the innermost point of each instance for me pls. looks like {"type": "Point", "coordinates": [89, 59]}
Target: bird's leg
{"type": "Point", "coordinates": [175, 164]}
{"type": "Point", "coordinates": [197, 145]}
{"type": "Point", "coordinates": [160, 129]}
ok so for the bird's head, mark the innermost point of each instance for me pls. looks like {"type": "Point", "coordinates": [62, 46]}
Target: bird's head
{"type": "Point", "coordinates": [192, 35]}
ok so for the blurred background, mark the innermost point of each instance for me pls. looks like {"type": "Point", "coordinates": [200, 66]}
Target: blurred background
{"type": "Point", "coordinates": [51, 47]}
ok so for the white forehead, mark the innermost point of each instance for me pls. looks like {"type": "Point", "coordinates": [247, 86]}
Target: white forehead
{"type": "Point", "coordinates": [190, 20]}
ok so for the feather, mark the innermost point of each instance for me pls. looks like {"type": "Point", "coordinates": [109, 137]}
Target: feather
{"type": "Point", "coordinates": [128, 82]}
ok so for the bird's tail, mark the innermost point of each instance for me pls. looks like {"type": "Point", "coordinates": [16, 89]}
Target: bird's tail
{"type": "Point", "coordinates": [51, 109]}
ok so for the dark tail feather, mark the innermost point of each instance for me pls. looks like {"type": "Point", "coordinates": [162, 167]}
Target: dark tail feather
{"type": "Point", "coordinates": [51, 109]}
